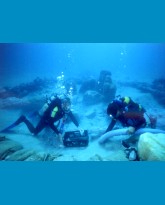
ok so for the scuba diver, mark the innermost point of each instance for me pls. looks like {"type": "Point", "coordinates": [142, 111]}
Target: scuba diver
{"type": "Point", "coordinates": [130, 114]}
{"type": "Point", "coordinates": [52, 111]}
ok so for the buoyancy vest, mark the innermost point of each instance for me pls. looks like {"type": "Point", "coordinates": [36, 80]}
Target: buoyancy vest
{"type": "Point", "coordinates": [127, 104]}
{"type": "Point", "coordinates": [45, 107]}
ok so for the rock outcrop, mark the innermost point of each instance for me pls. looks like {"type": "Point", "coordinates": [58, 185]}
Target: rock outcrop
{"type": "Point", "coordinates": [151, 147]}
{"type": "Point", "coordinates": [14, 151]}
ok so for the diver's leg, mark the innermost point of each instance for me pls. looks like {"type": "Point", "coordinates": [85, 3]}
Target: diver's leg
{"type": "Point", "coordinates": [41, 125]}
{"type": "Point", "coordinates": [131, 141]}
{"type": "Point", "coordinates": [54, 128]}
{"type": "Point", "coordinates": [21, 119]}
{"type": "Point", "coordinates": [29, 125]}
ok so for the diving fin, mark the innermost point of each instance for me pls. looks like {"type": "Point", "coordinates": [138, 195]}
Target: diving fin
{"type": "Point", "coordinates": [17, 122]}
{"type": "Point", "coordinates": [9, 127]}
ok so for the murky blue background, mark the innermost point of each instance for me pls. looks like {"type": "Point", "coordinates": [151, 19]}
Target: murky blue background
{"type": "Point", "coordinates": [133, 61]}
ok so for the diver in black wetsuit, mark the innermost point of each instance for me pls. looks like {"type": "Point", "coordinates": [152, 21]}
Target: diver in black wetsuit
{"type": "Point", "coordinates": [131, 115]}
{"type": "Point", "coordinates": [56, 109]}
{"type": "Point", "coordinates": [126, 111]}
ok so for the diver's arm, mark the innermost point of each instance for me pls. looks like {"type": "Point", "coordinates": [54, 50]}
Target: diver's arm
{"type": "Point", "coordinates": [72, 117]}
{"type": "Point", "coordinates": [111, 125]}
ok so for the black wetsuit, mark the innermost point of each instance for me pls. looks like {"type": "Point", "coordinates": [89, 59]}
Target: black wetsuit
{"type": "Point", "coordinates": [131, 115]}
{"type": "Point", "coordinates": [47, 120]}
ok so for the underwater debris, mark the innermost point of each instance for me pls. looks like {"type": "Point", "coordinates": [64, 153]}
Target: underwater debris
{"type": "Point", "coordinates": [24, 89]}
{"type": "Point", "coordinates": [13, 151]}
{"type": "Point", "coordinates": [156, 88]}
{"type": "Point", "coordinates": [103, 87]}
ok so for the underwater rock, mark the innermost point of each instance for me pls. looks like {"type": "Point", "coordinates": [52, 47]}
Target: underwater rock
{"type": "Point", "coordinates": [159, 97]}
{"type": "Point", "coordinates": [103, 75]}
{"type": "Point", "coordinates": [90, 84]}
{"type": "Point", "coordinates": [14, 151]}
{"type": "Point", "coordinates": [108, 91]}
{"type": "Point", "coordinates": [2, 138]}
{"type": "Point", "coordinates": [106, 86]}
{"type": "Point", "coordinates": [43, 157]}
{"type": "Point", "coordinates": [96, 157]}
{"type": "Point", "coordinates": [92, 97]}
{"type": "Point", "coordinates": [151, 147]}
{"type": "Point", "coordinates": [66, 158]}
{"type": "Point", "coordinates": [159, 84]}
{"type": "Point", "coordinates": [20, 155]}
{"type": "Point", "coordinates": [36, 157]}
{"type": "Point", "coordinates": [13, 102]}
{"type": "Point", "coordinates": [24, 89]}
{"type": "Point", "coordinates": [156, 89]}
{"type": "Point", "coordinates": [8, 147]}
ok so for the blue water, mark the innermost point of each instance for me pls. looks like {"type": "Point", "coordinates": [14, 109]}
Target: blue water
{"type": "Point", "coordinates": [22, 63]}
{"type": "Point", "coordinates": [133, 61]}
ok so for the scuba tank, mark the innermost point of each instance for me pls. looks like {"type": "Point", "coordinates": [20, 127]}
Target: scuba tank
{"type": "Point", "coordinates": [46, 105]}
{"type": "Point", "coordinates": [123, 102]}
